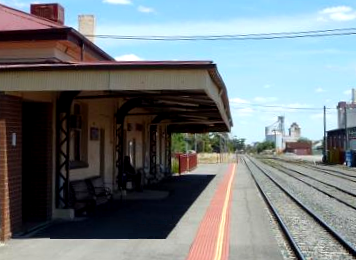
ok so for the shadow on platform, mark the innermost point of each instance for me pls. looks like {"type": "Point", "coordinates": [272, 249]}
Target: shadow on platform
{"type": "Point", "coordinates": [136, 219]}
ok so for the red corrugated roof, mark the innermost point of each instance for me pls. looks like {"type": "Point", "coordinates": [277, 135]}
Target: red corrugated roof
{"type": "Point", "coordinates": [113, 64]}
{"type": "Point", "coordinates": [14, 20]}
{"type": "Point", "coordinates": [148, 63]}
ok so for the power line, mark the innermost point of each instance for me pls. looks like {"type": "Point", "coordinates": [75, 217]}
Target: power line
{"type": "Point", "coordinates": [234, 37]}
{"type": "Point", "coordinates": [299, 112]}
{"type": "Point", "coordinates": [285, 107]}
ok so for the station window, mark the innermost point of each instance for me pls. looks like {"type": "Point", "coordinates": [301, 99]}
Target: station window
{"type": "Point", "coordinates": [79, 136]}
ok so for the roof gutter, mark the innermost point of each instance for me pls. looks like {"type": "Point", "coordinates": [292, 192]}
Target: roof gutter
{"type": "Point", "coordinates": [217, 79]}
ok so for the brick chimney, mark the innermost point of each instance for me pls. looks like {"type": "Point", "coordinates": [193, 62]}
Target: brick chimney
{"type": "Point", "coordinates": [86, 26]}
{"type": "Point", "coordinates": [53, 12]}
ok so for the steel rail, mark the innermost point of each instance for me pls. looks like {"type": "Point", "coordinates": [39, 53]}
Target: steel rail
{"type": "Point", "coordinates": [292, 243]}
{"type": "Point", "coordinates": [348, 246]}
{"type": "Point", "coordinates": [313, 186]}
{"type": "Point", "coordinates": [327, 171]}
{"type": "Point", "coordinates": [325, 183]}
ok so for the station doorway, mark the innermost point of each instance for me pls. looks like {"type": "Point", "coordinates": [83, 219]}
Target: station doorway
{"type": "Point", "coordinates": [36, 163]}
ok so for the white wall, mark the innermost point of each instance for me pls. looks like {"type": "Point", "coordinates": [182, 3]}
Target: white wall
{"type": "Point", "coordinates": [276, 139]}
{"type": "Point", "coordinates": [101, 115]}
{"type": "Point", "coordinates": [351, 117]}
{"type": "Point", "coordinates": [136, 134]}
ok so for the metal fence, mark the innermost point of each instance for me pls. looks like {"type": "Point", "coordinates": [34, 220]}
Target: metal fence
{"type": "Point", "coordinates": [187, 162]}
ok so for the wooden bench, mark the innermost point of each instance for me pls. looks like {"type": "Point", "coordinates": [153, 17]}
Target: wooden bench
{"type": "Point", "coordinates": [98, 190]}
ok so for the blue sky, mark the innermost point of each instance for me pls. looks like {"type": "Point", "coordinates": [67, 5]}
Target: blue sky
{"type": "Point", "coordinates": [309, 72]}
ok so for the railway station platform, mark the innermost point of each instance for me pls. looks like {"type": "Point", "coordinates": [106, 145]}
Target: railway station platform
{"type": "Point", "coordinates": [251, 232]}
{"type": "Point", "coordinates": [166, 228]}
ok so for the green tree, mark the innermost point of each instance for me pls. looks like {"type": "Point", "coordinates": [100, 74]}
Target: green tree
{"type": "Point", "coordinates": [178, 143]}
{"type": "Point", "coordinates": [215, 142]}
{"type": "Point", "coordinates": [303, 140]}
{"type": "Point", "coordinates": [238, 144]}
{"type": "Point", "coordinates": [250, 149]}
{"type": "Point", "coordinates": [265, 146]}
{"type": "Point", "coordinates": [204, 144]}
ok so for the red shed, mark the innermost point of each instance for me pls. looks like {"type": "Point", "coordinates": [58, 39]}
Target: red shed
{"type": "Point", "coordinates": [299, 148]}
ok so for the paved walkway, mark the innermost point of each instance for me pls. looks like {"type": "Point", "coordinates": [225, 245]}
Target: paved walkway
{"type": "Point", "coordinates": [157, 229]}
{"type": "Point", "coordinates": [251, 234]}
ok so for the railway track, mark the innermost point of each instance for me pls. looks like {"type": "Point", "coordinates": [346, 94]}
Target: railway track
{"type": "Point", "coordinates": [336, 173]}
{"type": "Point", "coordinates": [309, 236]}
{"type": "Point", "coordinates": [339, 174]}
{"type": "Point", "coordinates": [346, 185]}
{"type": "Point", "coordinates": [333, 191]}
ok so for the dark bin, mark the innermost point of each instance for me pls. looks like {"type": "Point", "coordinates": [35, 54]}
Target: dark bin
{"type": "Point", "coordinates": [353, 158]}
{"type": "Point", "coordinates": [348, 158]}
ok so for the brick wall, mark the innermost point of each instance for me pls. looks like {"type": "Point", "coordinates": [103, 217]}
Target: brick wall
{"type": "Point", "coordinates": [10, 165]}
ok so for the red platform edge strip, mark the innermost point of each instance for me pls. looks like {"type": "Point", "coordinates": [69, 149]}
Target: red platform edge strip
{"type": "Point", "coordinates": [205, 243]}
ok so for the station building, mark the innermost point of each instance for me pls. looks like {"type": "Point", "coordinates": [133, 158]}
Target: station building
{"type": "Point", "coordinates": [69, 111]}
{"type": "Point", "coordinates": [338, 140]}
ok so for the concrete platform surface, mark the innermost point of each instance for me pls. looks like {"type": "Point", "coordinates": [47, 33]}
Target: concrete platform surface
{"type": "Point", "coordinates": [142, 195]}
{"type": "Point", "coordinates": [251, 236]}
{"type": "Point", "coordinates": [162, 228]}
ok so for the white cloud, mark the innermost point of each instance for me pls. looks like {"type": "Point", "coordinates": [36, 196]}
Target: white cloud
{"type": "Point", "coordinates": [118, 2]}
{"type": "Point", "coordinates": [337, 13]}
{"type": "Point", "coordinates": [343, 16]}
{"type": "Point", "coordinates": [144, 9]}
{"type": "Point", "coordinates": [239, 101]}
{"type": "Point", "coordinates": [265, 99]}
{"type": "Point", "coordinates": [336, 9]}
{"type": "Point", "coordinates": [267, 86]}
{"type": "Point", "coordinates": [243, 112]}
{"type": "Point", "coordinates": [238, 108]}
{"type": "Point", "coordinates": [319, 90]}
{"type": "Point", "coordinates": [128, 57]}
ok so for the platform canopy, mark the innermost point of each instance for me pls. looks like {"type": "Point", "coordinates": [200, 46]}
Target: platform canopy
{"type": "Point", "coordinates": [189, 95]}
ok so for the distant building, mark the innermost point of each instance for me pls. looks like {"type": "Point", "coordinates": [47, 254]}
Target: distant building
{"type": "Point", "coordinates": [277, 138]}
{"type": "Point", "coordinates": [346, 118]}
{"type": "Point", "coordinates": [350, 110]}
{"type": "Point", "coordinates": [294, 131]}
{"type": "Point", "coordinates": [299, 148]}
{"type": "Point", "coordinates": [275, 133]}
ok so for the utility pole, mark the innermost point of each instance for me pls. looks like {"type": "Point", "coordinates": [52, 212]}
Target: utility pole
{"type": "Point", "coordinates": [186, 143]}
{"type": "Point", "coordinates": [195, 143]}
{"type": "Point", "coordinates": [324, 145]}
{"type": "Point", "coordinates": [275, 140]}
{"type": "Point", "coordinates": [186, 150]}
{"type": "Point", "coordinates": [346, 132]}
{"type": "Point", "coordinates": [220, 146]}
